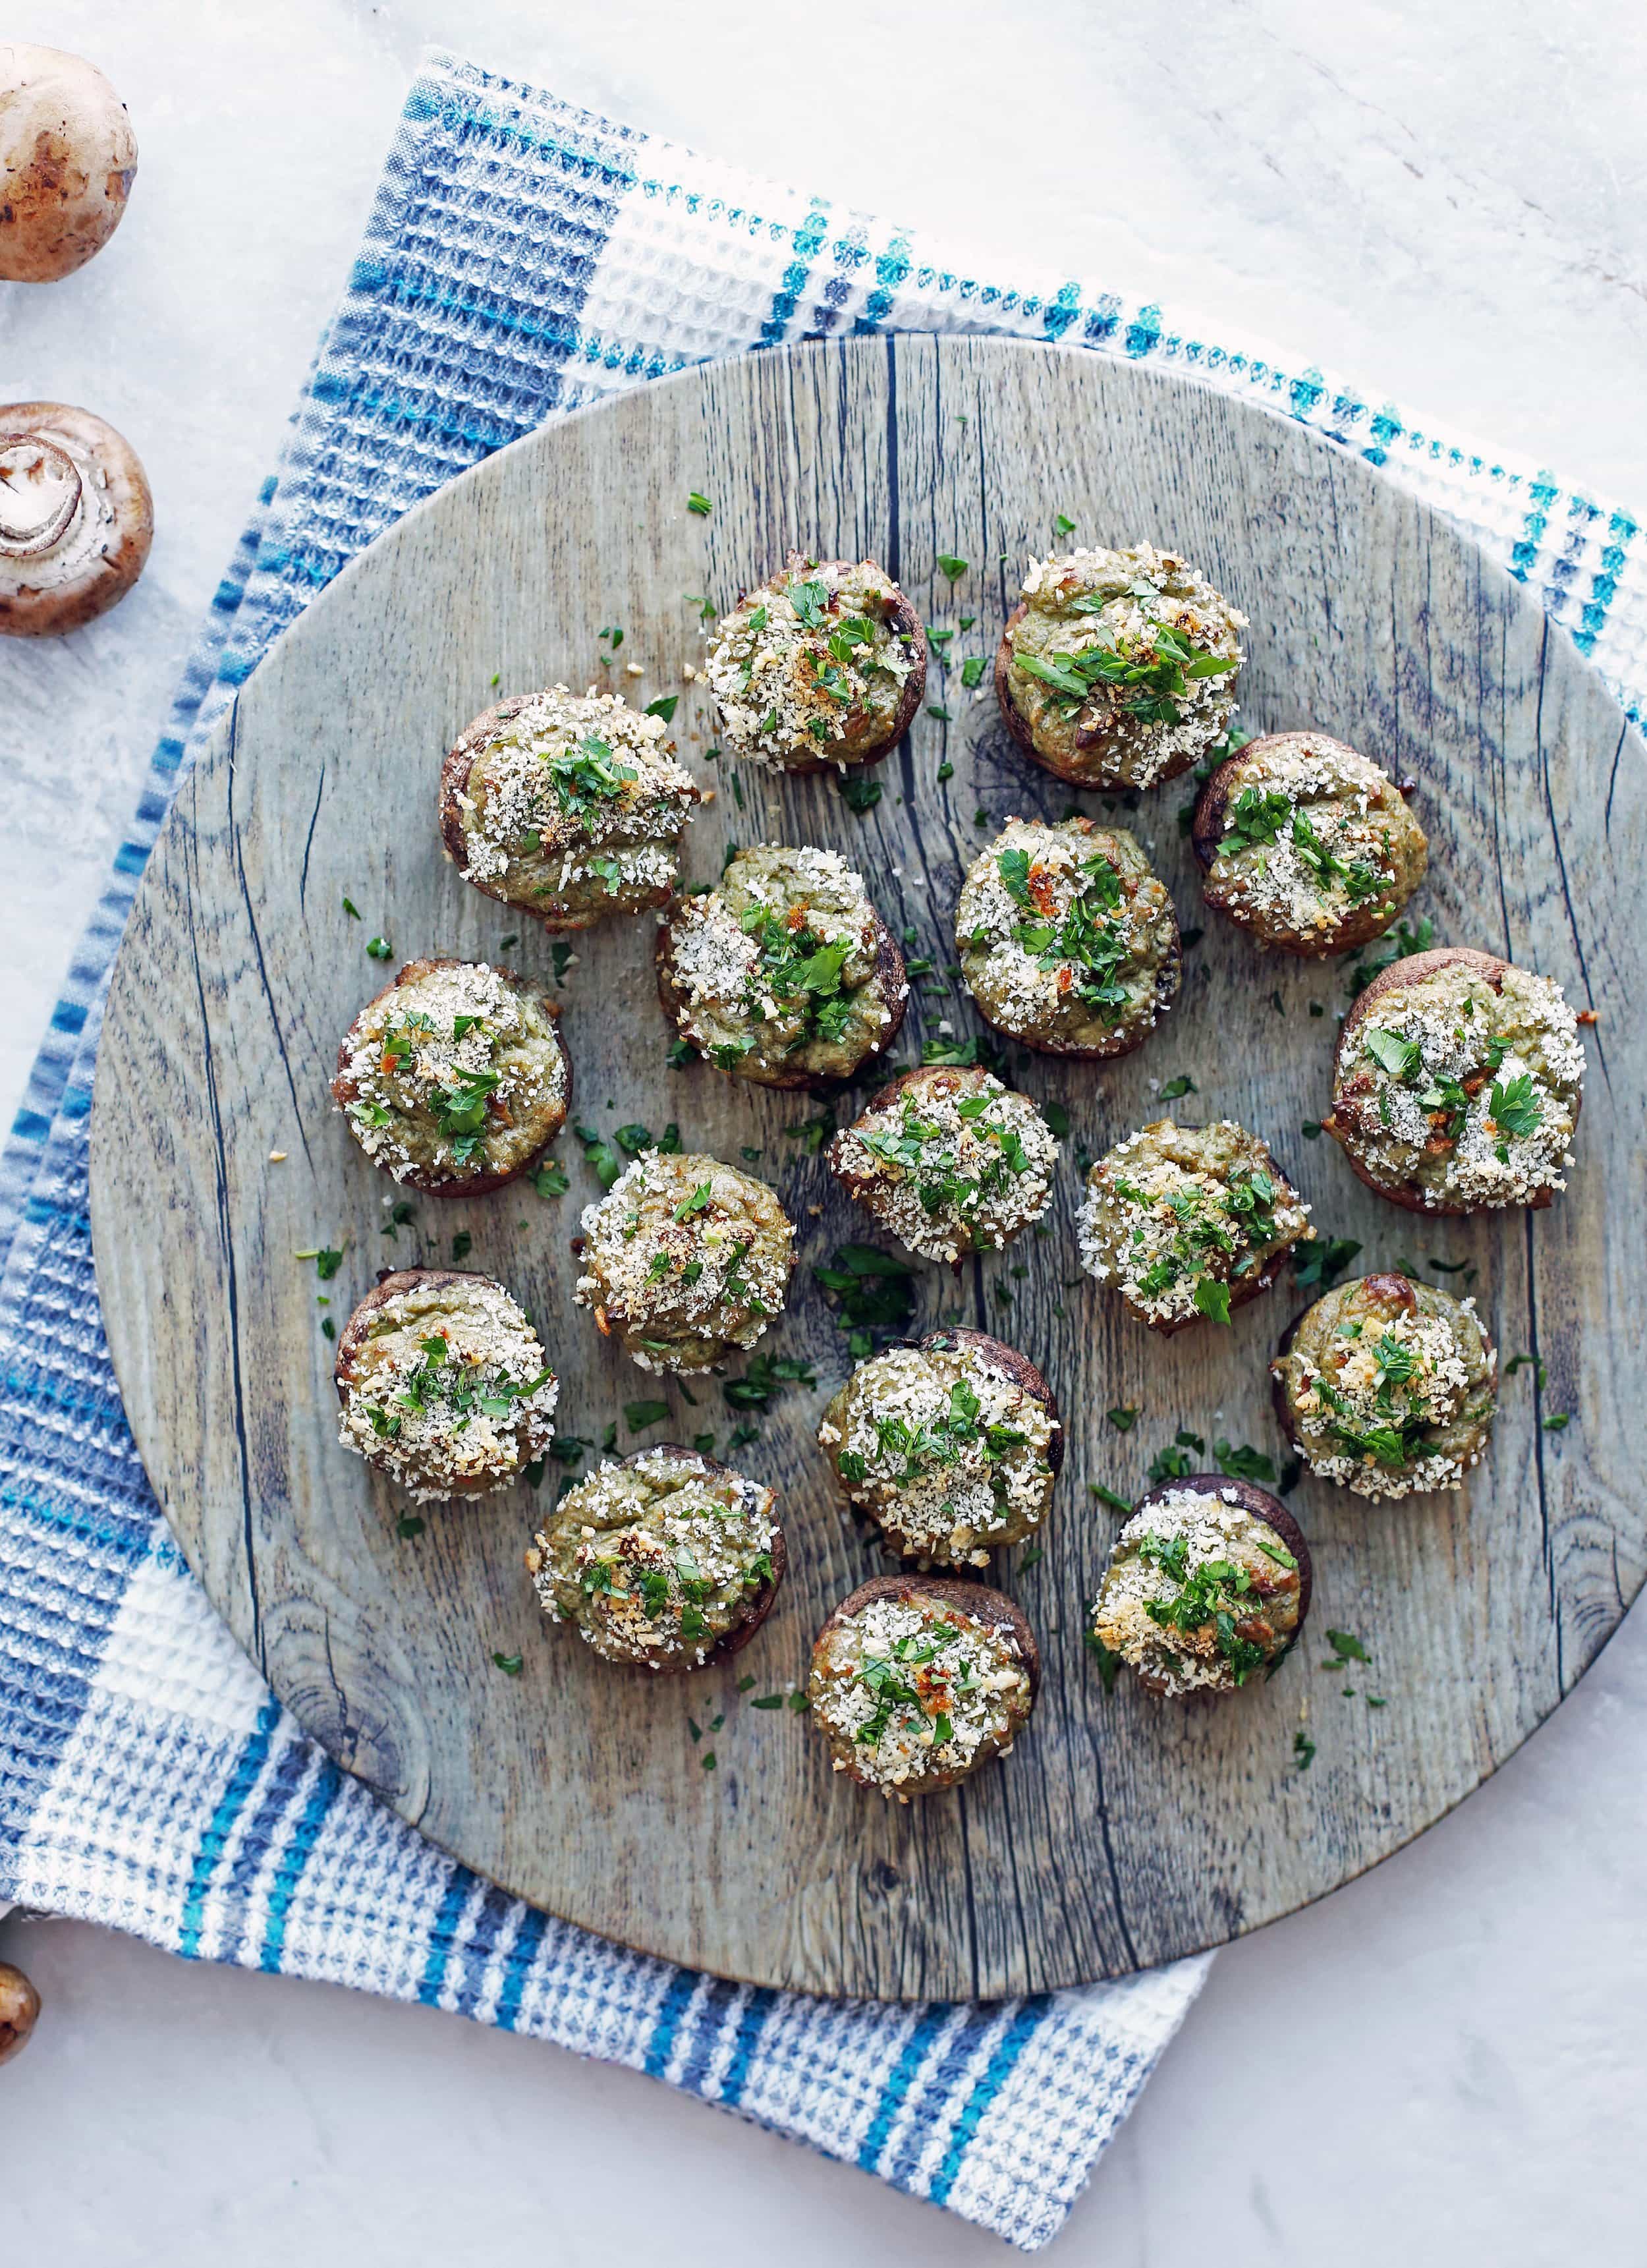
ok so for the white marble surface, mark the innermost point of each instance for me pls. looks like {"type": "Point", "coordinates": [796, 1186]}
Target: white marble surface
{"type": "Point", "coordinates": [1446, 2061]}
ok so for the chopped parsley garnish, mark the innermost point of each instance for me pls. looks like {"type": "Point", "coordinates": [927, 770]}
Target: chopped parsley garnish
{"type": "Point", "coordinates": [1396, 945]}
{"type": "Point", "coordinates": [510, 1664]}
{"type": "Point", "coordinates": [872, 1293]}
{"type": "Point", "coordinates": [550, 1180]}
{"type": "Point", "coordinates": [1323, 1259]}
{"type": "Point", "coordinates": [1175, 1087]}
{"type": "Point", "coordinates": [1244, 1463]}
{"type": "Point", "coordinates": [379, 948]}
{"type": "Point", "coordinates": [951, 567]}
{"type": "Point", "coordinates": [765, 1377]}
{"type": "Point", "coordinates": [1399, 1057]}
{"type": "Point", "coordinates": [1212, 1595]}
{"type": "Point", "coordinates": [699, 504]}
{"type": "Point", "coordinates": [1150, 675]}
{"type": "Point", "coordinates": [1514, 1108]}
{"type": "Point", "coordinates": [1085, 939]}
{"type": "Point", "coordinates": [858, 792]}
{"type": "Point", "coordinates": [665, 706]}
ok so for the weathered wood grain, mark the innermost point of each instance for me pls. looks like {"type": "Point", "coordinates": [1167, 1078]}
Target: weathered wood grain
{"type": "Point", "coordinates": [1121, 1831]}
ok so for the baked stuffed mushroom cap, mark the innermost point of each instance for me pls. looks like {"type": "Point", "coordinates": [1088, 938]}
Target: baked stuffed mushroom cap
{"type": "Point", "coordinates": [1188, 1222]}
{"type": "Point", "coordinates": [949, 1161]}
{"type": "Point", "coordinates": [1068, 941]}
{"type": "Point", "coordinates": [685, 1261]}
{"type": "Point", "coordinates": [918, 1680]}
{"type": "Point", "coordinates": [1208, 1583]}
{"type": "Point", "coordinates": [1307, 844]}
{"type": "Point", "coordinates": [454, 1078]}
{"type": "Point", "coordinates": [667, 1561]}
{"type": "Point", "coordinates": [445, 1387]}
{"type": "Point", "coordinates": [823, 666]}
{"type": "Point", "coordinates": [783, 973]}
{"type": "Point", "coordinates": [1457, 1084]}
{"type": "Point", "coordinates": [1118, 668]}
{"type": "Point", "coordinates": [569, 805]}
{"type": "Point", "coordinates": [1387, 1387]}
{"type": "Point", "coordinates": [951, 1446]}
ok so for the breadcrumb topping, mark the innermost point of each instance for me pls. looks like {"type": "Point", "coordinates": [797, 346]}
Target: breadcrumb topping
{"type": "Point", "coordinates": [450, 1393]}
{"type": "Point", "coordinates": [951, 1456]}
{"type": "Point", "coordinates": [1389, 1399]}
{"type": "Point", "coordinates": [1198, 1594]}
{"type": "Point", "coordinates": [777, 969]}
{"type": "Point", "coordinates": [1175, 1216]}
{"type": "Point", "coordinates": [908, 1688]}
{"type": "Point", "coordinates": [686, 1259]}
{"type": "Point", "coordinates": [459, 1069]}
{"type": "Point", "coordinates": [1314, 834]}
{"type": "Point", "coordinates": [1467, 1093]}
{"type": "Point", "coordinates": [951, 1163]}
{"type": "Point", "coordinates": [1125, 662]}
{"type": "Point", "coordinates": [1064, 933]}
{"type": "Point", "coordinates": [811, 666]}
{"type": "Point", "coordinates": [657, 1559]}
{"type": "Point", "coordinates": [577, 798]}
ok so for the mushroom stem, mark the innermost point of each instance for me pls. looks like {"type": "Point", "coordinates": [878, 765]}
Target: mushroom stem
{"type": "Point", "coordinates": [40, 494]}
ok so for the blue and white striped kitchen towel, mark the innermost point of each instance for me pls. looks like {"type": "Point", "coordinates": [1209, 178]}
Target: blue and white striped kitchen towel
{"type": "Point", "coordinates": [523, 258]}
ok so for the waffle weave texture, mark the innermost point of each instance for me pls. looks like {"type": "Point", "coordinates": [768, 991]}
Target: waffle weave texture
{"type": "Point", "coordinates": [525, 258]}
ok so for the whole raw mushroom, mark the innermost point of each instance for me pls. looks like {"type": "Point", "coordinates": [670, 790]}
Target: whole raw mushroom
{"type": "Point", "coordinates": [19, 2006]}
{"type": "Point", "coordinates": [67, 158]}
{"type": "Point", "coordinates": [76, 518]}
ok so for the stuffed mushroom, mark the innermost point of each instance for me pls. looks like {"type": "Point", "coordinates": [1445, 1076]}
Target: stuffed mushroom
{"type": "Point", "coordinates": [951, 1446]}
{"type": "Point", "coordinates": [1188, 1222]}
{"type": "Point", "coordinates": [1118, 668]}
{"type": "Point", "coordinates": [1387, 1387]}
{"type": "Point", "coordinates": [784, 972]}
{"type": "Point", "coordinates": [569, 805]}
{"type": "Point", "coordinates": [446, 1389]}
{"type": "Point", "coordinates": [823, 666]}
{"type": "Point", "coordinates": [1307, 844]}
{"type": "Point", "coordinates": [949, 1161]}
{"type": "Point", "coordinates": [1457, 1084]}
{"type": "Point", "coordinates": [1208, 1583]}
{"type": "Point", "coordinates": [1068, 941]}
{"type": "Point", "coordinates": [667, 1561]}
{"type": "Point", "coordinates": [685, 1261]}
{"type": "Point", "coordinates": [454, 1078]}
{"type": "Point", "coordinates": [918, 1680]}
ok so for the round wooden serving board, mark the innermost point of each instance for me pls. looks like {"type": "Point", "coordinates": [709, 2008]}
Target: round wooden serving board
{"type": "Point", "coordinates": [1122, 1831]}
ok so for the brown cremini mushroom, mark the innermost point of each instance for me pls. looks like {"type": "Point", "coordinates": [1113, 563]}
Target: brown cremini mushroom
{"type": "Point", "coordinates": [67, 158]}
{"type": "Point", "coordinates": [76, 518]}
{"type": "Point", "coordinates": [19, 2006]}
